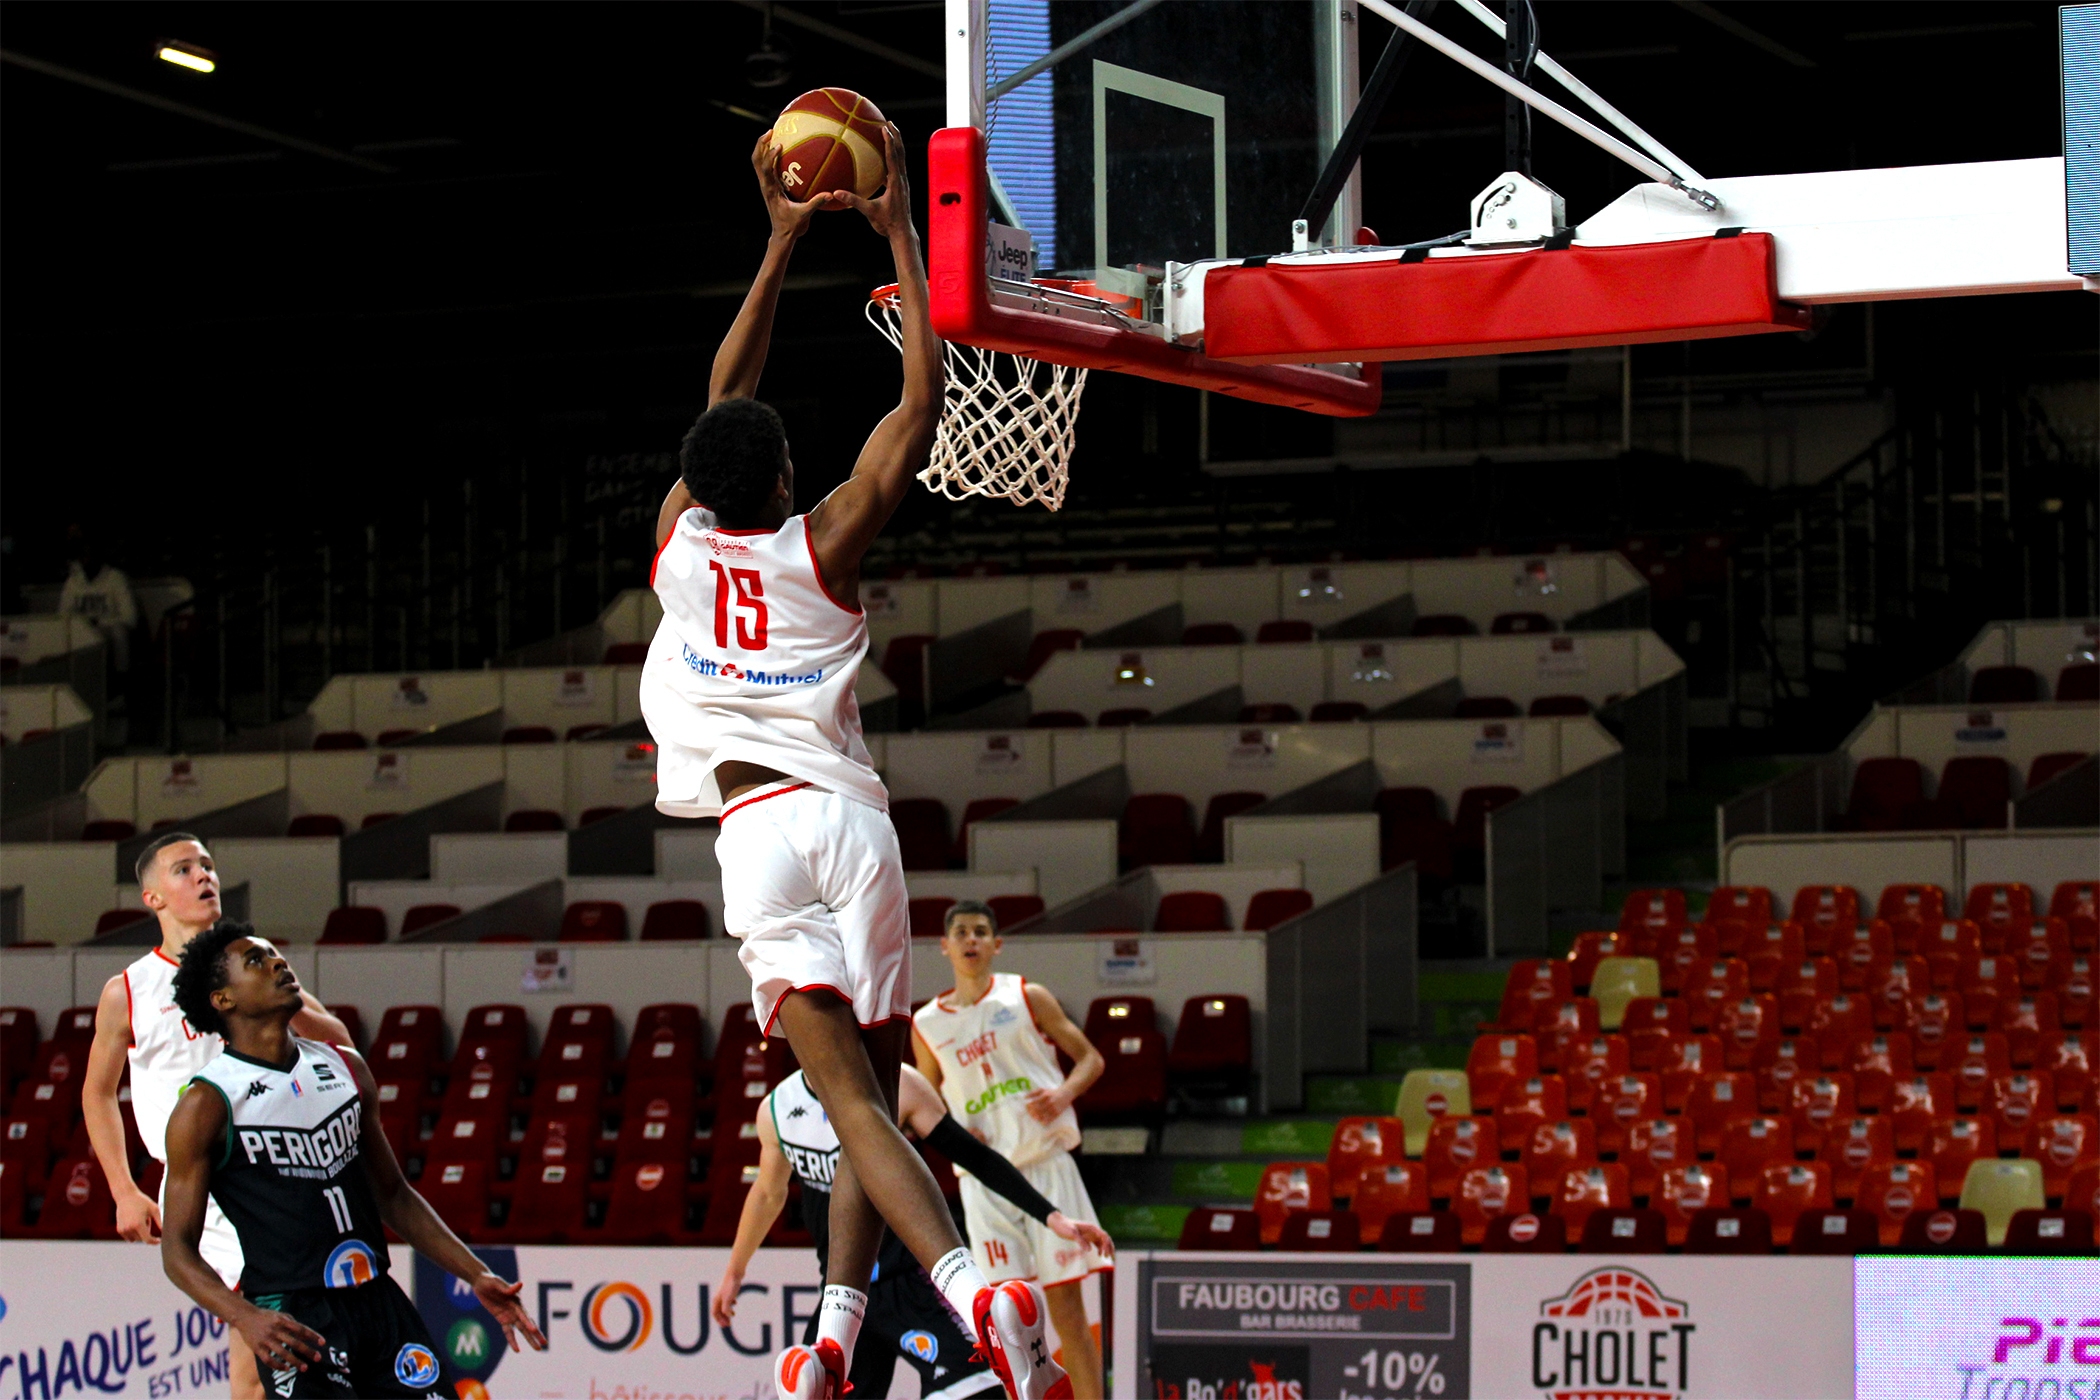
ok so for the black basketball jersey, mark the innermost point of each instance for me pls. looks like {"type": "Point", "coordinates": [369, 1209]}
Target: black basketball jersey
{"type": "Point", "coordinates": [288, 1174]}
{"type": "Point", "coordinates": [812, 1150]}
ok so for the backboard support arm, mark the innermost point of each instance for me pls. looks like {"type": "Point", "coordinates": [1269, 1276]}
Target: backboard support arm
{"type": "Point", "coordinates": [1347, 151]}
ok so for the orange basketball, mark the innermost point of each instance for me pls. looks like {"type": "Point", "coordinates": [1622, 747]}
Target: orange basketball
{"type": "Point", "coordinates": [830, 139]}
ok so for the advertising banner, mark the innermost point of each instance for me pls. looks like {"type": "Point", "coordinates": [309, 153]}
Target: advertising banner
{"type": "Point", "coordinates": [1297, 1327]}
{"type": "Point", "coordinates": [100, 1318]}
{"type": "Point", "coordinates": [623, 1324]}
{"type": "Point", "coordinates": [1504, 1326]}
{"type": "Point", "coordinates": [1978, 1329]}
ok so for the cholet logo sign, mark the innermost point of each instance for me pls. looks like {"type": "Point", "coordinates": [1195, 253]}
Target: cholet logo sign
{"type": "Point", "coordinates": [1613, 1336]}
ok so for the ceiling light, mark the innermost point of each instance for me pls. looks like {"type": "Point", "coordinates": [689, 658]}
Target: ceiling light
{"type": "Point", "coordinates": [190, 56]}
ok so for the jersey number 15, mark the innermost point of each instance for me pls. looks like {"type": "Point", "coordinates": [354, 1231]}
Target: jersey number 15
{"type": "Point", "coordinates": [748, 602]}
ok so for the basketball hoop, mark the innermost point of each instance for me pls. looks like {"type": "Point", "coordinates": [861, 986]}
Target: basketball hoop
{"type": "Point", "coordinates": [1007, 420]}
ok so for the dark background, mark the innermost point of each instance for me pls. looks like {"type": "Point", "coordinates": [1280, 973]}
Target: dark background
{"type": "Point", "coordinates": [230, 354]}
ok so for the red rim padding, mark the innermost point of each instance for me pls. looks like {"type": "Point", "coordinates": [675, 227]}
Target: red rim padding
{"type": "Point", "coordinates": [1691, 289]}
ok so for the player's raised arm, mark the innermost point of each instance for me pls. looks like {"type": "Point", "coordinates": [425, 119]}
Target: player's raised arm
{"type": "Point", "coordinates": [405, 1212]}
{"type": "Point", "coordinates": [847, 521]}
{"type": "Point", "coordinates": [196, 1138]}
{"type": "Point", "coordinates": [761, 1208]}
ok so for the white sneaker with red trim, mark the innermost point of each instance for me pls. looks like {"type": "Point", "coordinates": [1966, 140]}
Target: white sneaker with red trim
{"type": "Point", "coordinates": [1009, 1320]}
{"type": "Point", "coordinates": [811, 1373]}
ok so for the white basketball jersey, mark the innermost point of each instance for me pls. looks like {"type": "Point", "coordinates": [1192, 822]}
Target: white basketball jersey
{"type": "Point", "coordinates": [165, 1052]}
{"type": "Point", "coordinates": [754, 662]}
{"type": "Point", "coordinates": [992, 1055]}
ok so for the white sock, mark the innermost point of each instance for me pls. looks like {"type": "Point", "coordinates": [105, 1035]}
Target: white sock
{"type": "Point", "coordinates": [839, 1316]}
{"type": "Point", "coordinates": [959, 1280]}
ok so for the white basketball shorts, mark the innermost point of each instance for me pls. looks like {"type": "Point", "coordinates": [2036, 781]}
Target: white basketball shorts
{"type": "Point", "coordinates": [813, 884]}
{"type": "Point", "coordinates": [219, 1245]}
{"type": "Point", "coordinates": [1008, 1242]}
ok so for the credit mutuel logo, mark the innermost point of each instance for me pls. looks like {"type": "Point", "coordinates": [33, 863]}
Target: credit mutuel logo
{"type": "Point", "coordinates": [1612, 1336]}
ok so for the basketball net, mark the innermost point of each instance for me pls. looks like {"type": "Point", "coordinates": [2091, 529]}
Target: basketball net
{"type": "Point", "coordinates": [1007, 420]}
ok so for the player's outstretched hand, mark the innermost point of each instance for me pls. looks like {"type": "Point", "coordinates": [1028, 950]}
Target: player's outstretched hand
{"type": "Point", "coordinates": [724, 1305]}
{"type": "Point", "coordinates": [138, 1218]}
{"type": "Point", "coordinates": [1044, 1105]}
{"type": "Point", "coordinates": [501, 1299]}
{"type": "Point", "coordinates": [790, 219]}
{"type": "Point", "coordinates": [1081, 1232]}
{"type": "Point", "coordinates": [280, 1342]}
{"type": "Point", "coordinates": [890, 211]}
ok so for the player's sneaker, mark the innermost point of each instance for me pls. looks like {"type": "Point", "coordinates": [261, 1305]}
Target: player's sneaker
{"type": "Point", "coordinates": [1009, 1321]}
{"type": "Point", "coordinates": [811, 1373]}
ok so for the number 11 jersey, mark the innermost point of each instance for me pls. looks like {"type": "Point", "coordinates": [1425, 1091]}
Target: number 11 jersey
{"type": "Point", "coordinates": [755, 662]}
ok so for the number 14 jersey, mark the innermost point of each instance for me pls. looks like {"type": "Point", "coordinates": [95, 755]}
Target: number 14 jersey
{"type": "Point", "coordinates": [754, 662]}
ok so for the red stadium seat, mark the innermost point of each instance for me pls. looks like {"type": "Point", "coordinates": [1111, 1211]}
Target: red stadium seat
{"type": "Point", "coordinates": [547, 1205]}
{"type": "Point", "coordinates": [1549, 705]}
{"type": "Point", "coordinates": [2004, 685]}
{"type": "Point", "coordinates": [1269, 714]}
{"type": "Point", "coordinates": [2076, 994]}
{"type": "Point", "coordinates": [354, 924]}
{"type": "Point", "coordinates": [1107, 1016]}
{"type": "Point", "coordinates": [1526, 1103]}
{"type": "Point", "coordinates": [1624, 1230]}
{"type": "Point", "coordinates": [1853, 1147]}
{"type": "Point", "coordinates": [647, 1205]}
{"type": "Point", "coordinates": [1532, 986]}
{"type": "Point", "coordinates": [1486, 707]}
{"type": "Point", "coordinates": [1588, 950]}
{"type": "Point", "coordinates": [1717, 1231]}
{"type": "Point", "coordinates": [674, 920]}
{"type": "Point", "coordinates": [1998, 909]}
{"type": "Point", "coordinates": [1134, 1079]}
{"type": "Point", "coordinates": [1892, 1192]}
{"type": "Point", "coordinates": [1564, 1028]}
{"type": "Point", "coordinates": [1914, 1105]}
{"type": "Point", "coordinates": [1683, 1192]}
{"type": "Point", "coordinates": [25, 1149]}
{"type": "Point", "coordinates": [1495, 1060]}
{"type": "Point", "coordinates": [1283, 630]}
{"type": "Point", "coordinates": [333, 740]}
{"type": "Point", "coordinates": [1784, 1190]}
{"type": "Point", "coordinates": [594, 921]}
{"type": "Point", "coordinates": [77, 1202]}
{"type": "Point", "coordinates": [2068, 1058]}
{"type": "Point", "coordinates": [1748, 1145]}
{"type": "Point", "coordinates": [1443, 625]}
{"type": "Point", "coordinates": [1362, 1145]}
{"type": "Point", "coordinates": [1716, 1101]}
{"type": "Point", "coordinates": [1620, 1104]}
{"type": "Point", "coordinates": [2015, 1102]}
{"type": "Point", "coordinates": [2079, 681]}
{"type": "Point", "coordinates": [1650, 1024]}
{"type": "Point", "coordinates": [1212, 634]}
{"type": "Point", "coordinates": [1319, 1232]}
{"type": "Point", "coordinates": [1823, 911]}
{"type": "Point", "coordinates": [1269, 908]}
{"type": "Point", "coordinates": [922, 832]}
{"type": "Point", "coordinates": [1588, 1066]}
{"type": "Point", "coordinates": [1554, 1148]}
{"type": "Point", "coordinates": [1526, 1234]}
{"type": "Point", "coordinates": [2049, 1233]}
{"type": "Point", "coordinates": [1883, 789]}
{"type": "Point", "coordinates": [2023, 1021]}
{"type": "Point", "coordinates": [1485, 1192]}
{"type": "Point", "coordinates": [459, 1193]}
{"type": "Point", "coordinates": [928, 915]}
{"type": "Point", "coordinates": [315, 824]}
{"type": "Point", "coordinates": [1833, 1231]}
{"type": "Point", "coordinates": [2041, 952]}
{"type": "Point", "coordinates": [1208, 1228]}
{"type": "Point", "coordinates": [534, 819]}
{"type": "Point", "coordinates": [2082, 1191]}
{"type": "Point", "coordinates": [1711, 985]}
{"type": "Point", "coordinates": [1387, 1188]}
{"type": "Point", "coordinates": [1748, 1029]}
{"type": "Point", "coordinates": [1821, 1106]}
{"type": "Point", "coordinates": [1192, 911]}
{"type": "Point", "coordinates": [1656, 912]}
{"type": "Point", "coordinates": [1654, 1146]}
{"type": "Point", "coordinates": [1011, 909]}
{"type": "Point", "coordinates": [1953, 1145]}
{"type": "Point", "coordinates": [1975, 791]}
{"type": "Point", "coordinates": [1684, 1062]}
{"type": "Point", "coordinates": [1287, 1186]}
{"type": "Point", "coordinates": [1421, 1232]}
{"type": "Point", "coordinates": [1875, 1062]}
{"type": "Point", "coordinates": [1790, 1058]}
{"type": "Point", "coordinates": [1456, 1146]}
{"type": "Point", "coordinates": [1469, 821]}
{"type": "Point", "coordinates": [108, 829]}
{"type": "Point", "coordinates": [1944, 1232]}
{"type": "Point", "coordinates": [1210, 839]}
{"type": "Point", "coordinates": [1583, 1190]}
{"type": "Point", "coordinates": [1213, 1039]}
{"type": "Point", "coordinates": [2062, 1143]}
{"type": "Point", "coordinates": [468, 1136]}
{"type": "Point", "coordinates": [1157, 829]}
{"type": "Point", "coordinates": [656, 1128]}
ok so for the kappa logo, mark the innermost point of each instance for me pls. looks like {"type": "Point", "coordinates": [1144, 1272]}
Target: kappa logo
{"type": "Point", "coordinates": [798, 1111]}
{"type": "Point", "coordinates": [256, 1090]}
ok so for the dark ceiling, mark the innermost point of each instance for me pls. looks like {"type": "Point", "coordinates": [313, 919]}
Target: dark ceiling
{"type": "Point", "coordinates": [461, 235]}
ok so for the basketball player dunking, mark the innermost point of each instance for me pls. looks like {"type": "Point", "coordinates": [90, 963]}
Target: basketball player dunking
{"type": "Point", "coordinates": [748, 690]}
{"type": "Point", "coordinates": [137, 1020]}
